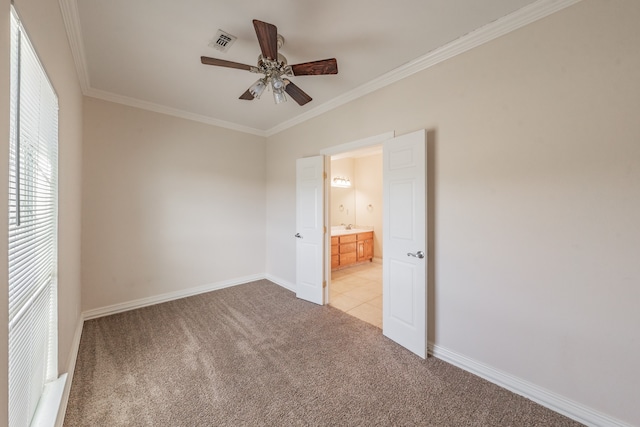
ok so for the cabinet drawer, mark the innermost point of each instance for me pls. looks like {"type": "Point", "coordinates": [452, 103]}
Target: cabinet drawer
{"type": "Point", "coordinates": [365, 236]}
{"type": "Point", "coordinates": [347, 239]}
{"type": "Point", "coordinates": [349, 258]}
{"type": "Point", "coordinates": [349, 247]}
{"type": "Point", "coordinates": [335, 240]}
{"type": "Point", "coordinates": [335, 261]}
{"type": "Point", "coordinates": [335, 250]}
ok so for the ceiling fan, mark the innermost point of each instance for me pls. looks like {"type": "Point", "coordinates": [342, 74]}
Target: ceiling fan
{"type": "Point", "coordinates": [275, 68]}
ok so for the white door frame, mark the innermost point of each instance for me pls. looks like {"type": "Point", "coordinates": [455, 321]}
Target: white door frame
{"type": "Point", "coordinates": [332, 151]}
{"type": "Point", "coordinates": [343, 148]}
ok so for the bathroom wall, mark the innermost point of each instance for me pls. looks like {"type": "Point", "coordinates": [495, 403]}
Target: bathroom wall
{"type": "Point", "coordinates": [368, 196]}
{"type": "Point", "coordinates": [361, 204]}
{"type": "Point", "coordinates": [343, 202]}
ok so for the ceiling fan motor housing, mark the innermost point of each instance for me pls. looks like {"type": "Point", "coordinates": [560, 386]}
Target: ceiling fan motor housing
{"type": "Point", "coordinates": [273, 68]}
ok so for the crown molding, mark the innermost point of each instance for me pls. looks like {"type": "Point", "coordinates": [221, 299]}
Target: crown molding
{"type": "Point", "coordinates": [482, 35]}
{"type": "Point", "coordinates": [491, 31]}
{"type": "Point", "coordinates": [71, 18]}
{"type": "Point", "coordinates": [163, 109]}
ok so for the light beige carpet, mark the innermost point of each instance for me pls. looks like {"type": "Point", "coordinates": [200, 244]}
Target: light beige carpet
{"type": "Point", "coordinates": [254, 355]}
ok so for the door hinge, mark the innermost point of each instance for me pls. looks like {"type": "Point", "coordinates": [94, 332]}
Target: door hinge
{"type": "Point", "coordinates": [324, 284]}
{"type": "Point", "coordinates": [324, 175]}
{"type": "Point", "coordinates": [325, 229]}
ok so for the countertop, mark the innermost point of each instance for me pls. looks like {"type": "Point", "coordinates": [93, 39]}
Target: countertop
{"type": "Point", "coordinates": [344, 232]}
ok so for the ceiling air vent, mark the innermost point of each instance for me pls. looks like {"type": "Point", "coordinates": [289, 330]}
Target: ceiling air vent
{"type": "Point", "coordinates": [222, 41]}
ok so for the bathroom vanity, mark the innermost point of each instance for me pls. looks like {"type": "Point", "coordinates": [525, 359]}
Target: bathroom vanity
{"type": "Point", "coordinates": [350, 247]}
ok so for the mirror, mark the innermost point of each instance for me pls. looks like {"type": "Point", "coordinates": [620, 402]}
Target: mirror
{"type": "Point", "coordinates": [356, 204]}
{"type": "Point", "coordinates": [343, 199]}
{"type": "Point", "coordinates": [343, 206]}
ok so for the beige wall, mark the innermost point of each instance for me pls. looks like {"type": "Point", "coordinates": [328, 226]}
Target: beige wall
{"type": "Point", "coordinates": [368, 176]}
{"type": "Point", "coordinates": [168, 205]}
{"type": "Point", "coordinates": [534, 177]}
{"type": "Point", "coordinates": [343, 200]}
{"type": "Point", "coordinates": [365, 174]}
{"type": "Point", "coordinates": [43, 22]}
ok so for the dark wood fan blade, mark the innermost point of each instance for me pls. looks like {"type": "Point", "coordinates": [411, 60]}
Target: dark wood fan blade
{"type": "Point", "coordinates": [247, 95]}
{"type": "Point", "coordinates": [222, 63]}
{"type": "Point", "coordinates": [315, 68]}
{"type": "Point", "coordinates": [296, 93]}
{"type": "Point", "coordinates": [268, 38]}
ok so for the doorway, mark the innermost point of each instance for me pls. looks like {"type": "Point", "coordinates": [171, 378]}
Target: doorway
{"type": "Point", "coordinates": [404, 298]}
{"type": "Point", "coordinates": [355, 284]}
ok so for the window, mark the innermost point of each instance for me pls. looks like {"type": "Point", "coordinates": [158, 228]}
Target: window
{"type": "Point", "coordinates": [33, 221]}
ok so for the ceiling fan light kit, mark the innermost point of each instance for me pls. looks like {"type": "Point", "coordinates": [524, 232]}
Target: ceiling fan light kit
{"type": "Point", "coordinates": [258, 87]}
{"type": "Point", "coordinates": [274, 67]}
{"type": "Point", "coordinates": [278, 87]}
{"type": "Point", "coordinates": [279, 97]}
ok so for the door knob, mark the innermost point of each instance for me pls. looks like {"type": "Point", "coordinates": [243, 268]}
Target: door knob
{"type": "Point", "coordinates": [418, 254]}
{"type": "Point", "coordinates": [298, 236]}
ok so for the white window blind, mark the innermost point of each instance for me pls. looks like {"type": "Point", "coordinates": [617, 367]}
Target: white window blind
{"type": "Point", "coordinates": [32, 230]}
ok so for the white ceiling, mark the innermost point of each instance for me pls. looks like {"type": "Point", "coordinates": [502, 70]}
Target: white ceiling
{"type": "Point", "coordinates": [147, 52]}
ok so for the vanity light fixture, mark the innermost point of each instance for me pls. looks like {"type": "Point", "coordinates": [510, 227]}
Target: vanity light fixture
{"type": "Point", "coordinates": [339, 181]}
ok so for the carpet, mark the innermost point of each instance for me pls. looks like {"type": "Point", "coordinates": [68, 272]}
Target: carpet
{"type": "Point", "coordinates": [255, 355]}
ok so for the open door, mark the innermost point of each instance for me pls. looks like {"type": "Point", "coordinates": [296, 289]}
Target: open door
{"type": "Point", "coordinates": [404, 238]}
{"type": "Point", "coordinates": [309, 228]}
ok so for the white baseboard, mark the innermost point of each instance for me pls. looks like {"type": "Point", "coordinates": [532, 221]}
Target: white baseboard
{"type": "Point", "coordinates": [170, 296]}
{"type": "Point", "coordinates": [71, 367]}
{"type": "Point", "coordinates": [281, 282]}
{"type": "Point", "coordinates": [131, 305]}
{"type": "Point", "coordinates": [549, 399]}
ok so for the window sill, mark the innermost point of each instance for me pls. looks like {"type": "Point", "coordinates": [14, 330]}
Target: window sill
{"type": "Point", "coordinates": [49, 404]}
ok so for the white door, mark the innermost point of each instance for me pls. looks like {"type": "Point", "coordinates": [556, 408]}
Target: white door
{"type": "Point", "coordinates": [309, 228]}
{"type": "Point", "coordinates": [404, 299]}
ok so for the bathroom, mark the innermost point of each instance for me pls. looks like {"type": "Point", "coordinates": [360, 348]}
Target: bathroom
{"type": "Point", "coordinates": [356, 209]}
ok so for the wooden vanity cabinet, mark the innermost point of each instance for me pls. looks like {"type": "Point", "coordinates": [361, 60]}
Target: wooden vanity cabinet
{"type": "Point", "coordinates": [350, 249]}
{"type": "Point", "coordinates": [347, 249]}
{"type": "Point", "coordinates": [335, 252]}
{"type": "Point", "coordinates": [365, 247]}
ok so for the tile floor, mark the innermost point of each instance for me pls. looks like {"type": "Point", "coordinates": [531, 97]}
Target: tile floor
{"type": "Point", "coordinates": [357, 291]}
